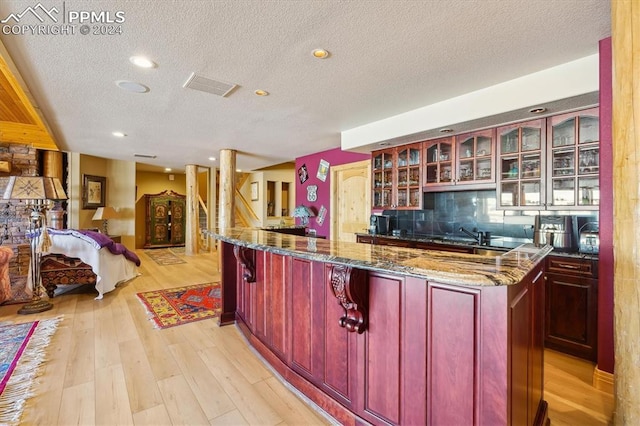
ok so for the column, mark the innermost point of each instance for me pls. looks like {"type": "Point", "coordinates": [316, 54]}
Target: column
{"type": "Point", "coordinates": [226, 213]}
{"type": "Point", "coordinates": [625, 32]}
{"type": "Point", "coordinates": [192, 220]}
{"type": "Point", "coordinates": [52, 167]}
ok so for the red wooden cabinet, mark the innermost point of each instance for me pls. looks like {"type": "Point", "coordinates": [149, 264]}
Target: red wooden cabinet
{"type": "Point", "coordinates": [397, 177]}
{"type": "Point", "coordinates": [571, 306]}
{"type": "Point", "coordinates": [430, 353]}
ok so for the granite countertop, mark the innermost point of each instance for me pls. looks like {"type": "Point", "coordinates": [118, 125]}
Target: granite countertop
{"type": "Point", "coordinates": [497, 243]}
{"type": "Point", "coordinates": [433, 265]}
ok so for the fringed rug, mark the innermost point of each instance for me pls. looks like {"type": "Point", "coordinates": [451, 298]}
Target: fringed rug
{"type": "Point", "coordinates": [22, 351]}
{"type": "Point", "coordinates": [181, 305]}
{"type": "Point", "coordinates": [163, 257]}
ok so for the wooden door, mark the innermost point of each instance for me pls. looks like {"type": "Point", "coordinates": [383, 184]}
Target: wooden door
{"type": "Point", "coordinates": [177, 221]}
{"type": "Point", "coordinates": [350, 200]}
{"type": "Point", "coordinates": [159, 221]}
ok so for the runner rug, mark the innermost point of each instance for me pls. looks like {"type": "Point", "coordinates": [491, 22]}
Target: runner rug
{"type": "Point", "coordinates": [22, 352]}
{"type": "Point", "coordinates": [181, 305]}
{"type": "Point", "coordinates": [163, 257]}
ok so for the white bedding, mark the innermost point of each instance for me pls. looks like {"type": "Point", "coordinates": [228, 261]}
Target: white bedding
{"type": "Point", "coordinates": [110, 269]}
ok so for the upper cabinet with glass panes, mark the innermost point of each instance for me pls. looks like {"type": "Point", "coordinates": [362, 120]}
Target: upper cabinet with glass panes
{"type": "Point", "coordinates": [462, 162]}
{"type": "Point", "coordinates": [573, 160]}
{"type": "Point", "coordinates": [520, 165]}
{"type": "Point", "coordinates": [396, 177]}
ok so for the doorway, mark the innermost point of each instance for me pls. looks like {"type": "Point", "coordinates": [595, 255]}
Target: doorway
{"type": "Point", "coordinates": [350, 200]}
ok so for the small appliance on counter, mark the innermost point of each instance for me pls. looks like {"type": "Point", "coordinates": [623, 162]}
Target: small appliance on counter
{"type": "Point", "coordinates": [556, 231]}
{"type": "Point", "coordinates": [589, 238]}
{"type": "Point", "coordinates": [379, 224]}
{"type": "Point", "coordinates": [399, 232]}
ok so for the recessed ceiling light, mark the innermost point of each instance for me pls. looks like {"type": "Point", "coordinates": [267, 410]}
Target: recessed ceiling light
{"type": "Point", "coordinates": [167, 169]}
{"type": "Point", "coordinates": [261, 92]}
{"type": "Point", "coordinates": [118, 134]}
{"type": "Point", "coordinates": [132, 86]}
{"type": "Point", "coordinates": [446, 130]}
{"type": "Point", "coordinates": [320, 53]}
{"type": "Point", "coordinates": [212, 158]}
{"type": "Point", "coordinates": [538, 110]}
{"type": "Point", "coordinates": [142, 62]}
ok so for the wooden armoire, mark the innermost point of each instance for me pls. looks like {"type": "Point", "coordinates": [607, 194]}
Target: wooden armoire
{"type": "Point", "coordinates": [165, 216]}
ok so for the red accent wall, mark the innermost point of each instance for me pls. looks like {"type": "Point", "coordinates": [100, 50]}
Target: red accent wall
{"type": "Point", "coordinates": [335, 157]}
{"type": "Point", "coordinates": [605, 279]}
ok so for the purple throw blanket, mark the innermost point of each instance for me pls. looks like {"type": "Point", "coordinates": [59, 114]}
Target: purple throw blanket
{"type": "Point", "coordinates": [112, 246]}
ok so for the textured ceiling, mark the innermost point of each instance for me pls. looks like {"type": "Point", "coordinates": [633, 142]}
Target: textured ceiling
{"type": "Point", "coordinates": [387, 57]}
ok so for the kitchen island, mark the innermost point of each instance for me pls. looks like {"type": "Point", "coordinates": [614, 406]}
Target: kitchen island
{"type": "Point", "coordinates": [389, 335]}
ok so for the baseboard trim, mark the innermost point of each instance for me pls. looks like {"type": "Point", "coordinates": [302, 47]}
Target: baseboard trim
{"type": "Point", "coordinates": [602, 380]}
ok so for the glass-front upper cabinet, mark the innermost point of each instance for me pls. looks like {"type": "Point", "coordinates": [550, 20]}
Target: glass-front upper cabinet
{"type": "Point", "coordinates": [574, 160]}
{"type": "Point", "coordinates": [520, 165]}
{"type": "Point", "coordinates": [382, 178]}
{"type": "Point", "coordinates": [475, 165]}
{"type": "Point", "coordinates": [438, 162]}
{"type": "Point", "coordinates": [408, 170]}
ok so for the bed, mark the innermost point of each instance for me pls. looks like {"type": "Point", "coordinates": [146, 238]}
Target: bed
{"type": "Point", "coordinates": [111, 262]}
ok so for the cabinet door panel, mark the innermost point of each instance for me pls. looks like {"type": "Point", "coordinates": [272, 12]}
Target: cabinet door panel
{"type": "Point", "coordinates": [571, 315]}
{"type": "Point", "coordinates": [339, 349]}
{"type": "Point", "coordinates": [382, 346]}
{"type": "Point", "coordinates": [573, 161]}
{"type": "Point", "coordinates": [159, 209]}
{"type": "Point", "coordinates": [521, 165]}
{"type": "Point", "coordinates": [452, 332]}
{"type": "Point", "coordinates": [301, 315]}
{"type": "Point", "coordinates": [280, 276]}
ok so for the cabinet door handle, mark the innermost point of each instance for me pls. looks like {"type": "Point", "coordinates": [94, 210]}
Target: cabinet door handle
{"type": "Point", "coordinates": [537, 276]}
{"type": "Point", "coordinates": [567, 266]}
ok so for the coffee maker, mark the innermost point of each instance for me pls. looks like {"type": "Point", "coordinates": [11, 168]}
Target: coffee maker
{"type": "Point", "coordinates": [379, 224]}
{"type": "Point", "coordinates": [556, 231]}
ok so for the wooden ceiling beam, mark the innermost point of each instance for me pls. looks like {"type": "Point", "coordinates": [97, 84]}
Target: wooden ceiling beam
{"type": "Point", "coordinates": [20, 121]}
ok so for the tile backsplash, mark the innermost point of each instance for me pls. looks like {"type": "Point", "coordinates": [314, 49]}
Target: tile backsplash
{"type": "Point", "coordinates": [445, 212]}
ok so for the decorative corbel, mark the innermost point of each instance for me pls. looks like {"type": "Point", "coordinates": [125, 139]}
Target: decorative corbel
{"type": "Point", "coordinates": [245, 257]}
{"type": "Point", "coordinates": [351, 287]}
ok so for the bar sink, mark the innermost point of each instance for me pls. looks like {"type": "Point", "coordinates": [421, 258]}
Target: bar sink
{"type": "Point", "coordinates": [488, 252]}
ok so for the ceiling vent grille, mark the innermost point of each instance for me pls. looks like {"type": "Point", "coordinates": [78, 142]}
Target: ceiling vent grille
{"type": "Point", "coordinates": [144, 156]}
{"type": "Point", "coordinates": [204, 84]}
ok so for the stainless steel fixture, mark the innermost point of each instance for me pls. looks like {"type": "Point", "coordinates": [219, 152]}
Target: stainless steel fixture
{"type": "Point", "coordinates": [556, 231]}
{"type": "Point", "coordinates": [482, 238]}
{"type": "Point", "coordinates": [589, 238]}
{"type": "Point", "coordinates": [379, 224]}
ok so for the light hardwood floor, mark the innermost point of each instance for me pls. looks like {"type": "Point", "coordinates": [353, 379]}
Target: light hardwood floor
{"type": "Point", "coordinates": [107, 365]}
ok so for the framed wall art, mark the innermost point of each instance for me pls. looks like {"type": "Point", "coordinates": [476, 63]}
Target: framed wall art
{"type": "Point", "coordinates": [254, 191]}
{"type": "Point", "coordinates": [94, 191]}
{"type": "Point", "coordinates": [303, 174]}
{"type": "Point", "coordinates": [323, 169]}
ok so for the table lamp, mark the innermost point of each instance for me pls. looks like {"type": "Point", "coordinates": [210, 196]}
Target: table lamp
{"type": "Point", "coordinates": [104, 214]}
{"type": "Point", "coordinates": [304, 213]}
{"type": "Point", "coordinates": [37, 192]}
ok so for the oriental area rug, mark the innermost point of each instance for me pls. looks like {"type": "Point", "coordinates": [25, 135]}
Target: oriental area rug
{"type": "Point", "coordinates": [164, 257]}
{"type": "Point", "coordinates": [181, 305]}
{"type": "Point", "coordinates": [22, 352]}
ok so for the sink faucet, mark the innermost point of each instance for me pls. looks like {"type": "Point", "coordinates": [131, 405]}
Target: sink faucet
{"type": "Point", "coordinates": [474, 236]}
{"type": "Point", "coordinates": [482, 238]}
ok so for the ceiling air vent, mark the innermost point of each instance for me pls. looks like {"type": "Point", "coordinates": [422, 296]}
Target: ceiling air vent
{"type": "Point", "coordinates": [204, 84]}
{"type": "Point", "coordinates": [144, 156]}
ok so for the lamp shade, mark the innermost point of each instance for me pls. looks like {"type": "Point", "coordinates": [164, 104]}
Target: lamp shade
{"type": "Point", "coordinates": [302, 211]}
{"type": "Point", "coordinates": [34, 188]}
{"type": "Point", "coordinates": [104, 213]}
